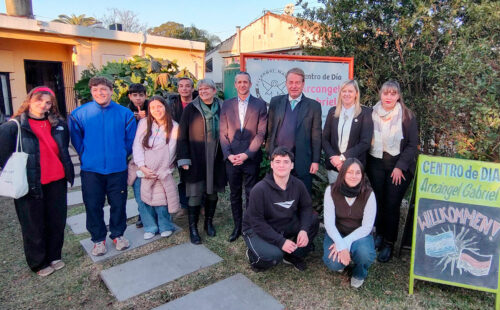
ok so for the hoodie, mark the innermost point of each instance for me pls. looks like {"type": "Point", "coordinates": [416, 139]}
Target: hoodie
{"type": "Point", "coordinates": [272, 211]}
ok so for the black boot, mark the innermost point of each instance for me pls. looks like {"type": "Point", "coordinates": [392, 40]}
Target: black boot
{"type": "Point", "coordinates": [237, 215]}
{"type": "Point", "coordinates": [209, 215]}
{"type": "Point", "coordinates": [385, 253]}
{"type": "Point", "coordinates": [193, 216]}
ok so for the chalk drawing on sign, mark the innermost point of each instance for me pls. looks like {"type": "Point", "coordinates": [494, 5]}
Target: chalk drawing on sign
{"type": "Point", "coordinates": [476, 264]}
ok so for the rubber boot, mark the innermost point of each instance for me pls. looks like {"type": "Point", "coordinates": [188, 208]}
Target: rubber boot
{"type": "Point", "coordinates": [209, 215]}
{"type": "Point", "coordinates": [193, 216]}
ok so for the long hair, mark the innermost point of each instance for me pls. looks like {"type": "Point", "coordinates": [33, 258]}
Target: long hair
{"type": "Point", "coordinates": [365, 185]}
{"type": "Point", "coordinates": [394, 85]}
{"type": "Point", "coordinates": [34, 95]}
{"type": "Point", "coordinates": [357, 104]}
{"type": "Point", "coordinates": [169, 124]}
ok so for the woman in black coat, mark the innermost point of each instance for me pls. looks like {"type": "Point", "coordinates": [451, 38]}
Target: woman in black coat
{"type": "Point", "coordinates": [348, 130]}
{"type": "Point", "coordinates": [42, 211]}
{"type": "Point", "coordinates": [200, 155]}
{"type": "Point", "coordinates": [391, 162]}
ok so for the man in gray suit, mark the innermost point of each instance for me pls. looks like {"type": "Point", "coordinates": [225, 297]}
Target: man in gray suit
{"type": "Point", "coordinates": [242, 130]}
{"type": "Point", "coordinates": [294, 121]}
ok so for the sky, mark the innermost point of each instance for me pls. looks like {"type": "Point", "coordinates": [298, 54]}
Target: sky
{"type": "Point", "coordinates": [216, 16]}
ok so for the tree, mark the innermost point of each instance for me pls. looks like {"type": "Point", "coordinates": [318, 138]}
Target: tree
{"type": "Point", "coordinates": [176, 30]}
{"type": "Point", "coordinates": [421, 44]}
{"type": "Point", "coordinates": [80, 20]}
{"type": "Point", "coordinates": [128, 19]}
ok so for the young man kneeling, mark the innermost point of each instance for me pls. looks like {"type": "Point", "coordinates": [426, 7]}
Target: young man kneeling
{"type": "Point", "coordinates": [279, 223]}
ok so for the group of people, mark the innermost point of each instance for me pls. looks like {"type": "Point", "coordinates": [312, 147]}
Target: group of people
{"type": "Point", "coordinates": [213, 143]}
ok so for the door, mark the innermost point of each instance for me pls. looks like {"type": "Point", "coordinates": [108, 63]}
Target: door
{"type": "Point", "coordinates": [47, 73]}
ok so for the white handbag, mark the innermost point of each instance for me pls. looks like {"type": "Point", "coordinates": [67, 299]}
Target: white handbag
{"type": "Point", "coordinates": [13, 178]}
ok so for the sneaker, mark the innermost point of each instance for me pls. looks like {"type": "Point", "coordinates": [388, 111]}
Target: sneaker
{"type": "Point", "coordinates": [45, 271]}
{"type": "Point", "coordinates": [99, 248]}
{"type": "Point", "coordinates": [297, 262]}
{"type": "Point", "coordinates": [356, 283]}
{"type": "Point", "coordinates": [148, 235]}
{"type": "Point", "coordinates": [166, 233]}
{"type": "Point", "coordinates": [57, 264]}
{"type": "Point", "coordinates": [121, 243]}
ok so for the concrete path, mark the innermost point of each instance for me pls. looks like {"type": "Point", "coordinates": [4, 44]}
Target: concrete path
{"type": "Point", "coordinates": [77, 223]}
{"type": "Point", "coordinates": [143, 274]}
{"type": "Point", "coordinates": [236, 292]}
{"type": "Point", "coordinates": [134, 235]}
{"type": "Point", "coordinates": [77, 182]}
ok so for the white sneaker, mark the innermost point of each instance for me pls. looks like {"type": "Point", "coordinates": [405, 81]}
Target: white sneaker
{"type": "Point", "coordinates": [166, 233]}
{"type": "Point", "coordinates": [356, 283]}
{"type": "Point", "coordinates": [148, 235]}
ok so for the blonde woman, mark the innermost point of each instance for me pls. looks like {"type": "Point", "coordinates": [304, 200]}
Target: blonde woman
{"type": "Point", "coordinates": [348, 130]}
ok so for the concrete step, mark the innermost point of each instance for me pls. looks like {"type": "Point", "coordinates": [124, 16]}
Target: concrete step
{"type": "Point", "coordinates": [77, 223]}
{"type": "Point", "coordinates": [236, 292]}
{"type": "Point", "coordinates": [143, 274]}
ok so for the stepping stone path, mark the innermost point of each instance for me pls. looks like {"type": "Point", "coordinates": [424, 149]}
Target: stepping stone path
{"type": "Point", "coordinates": [77, 182]}
{"type": "Point", "coordinates": [77, 223]}
{"type": "Point", "coordinates": [136, 238]}
{"type": "Point", "coordinates": [236, 292]}
{"type": "Point", "coordinates": [143, 274]}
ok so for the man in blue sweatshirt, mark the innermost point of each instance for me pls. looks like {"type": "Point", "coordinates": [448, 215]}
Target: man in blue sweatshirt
{"type": "Point", "coordinates": [102, 132]}
{"type": "Point", "coordinates": [279, 223]}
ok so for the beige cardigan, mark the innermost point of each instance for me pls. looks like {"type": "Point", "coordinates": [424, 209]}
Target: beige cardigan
{"type": "Point", "coordinates": [160, 158]}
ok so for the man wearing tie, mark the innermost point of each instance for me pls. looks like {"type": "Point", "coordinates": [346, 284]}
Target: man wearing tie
{"type": "Point", "coordinates": [242, 130]}
{"type": "Point", "coordinates": [294, 121]}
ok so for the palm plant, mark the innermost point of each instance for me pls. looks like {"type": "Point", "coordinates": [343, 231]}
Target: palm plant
{"type": "Point", "coordinates": [80, 20]}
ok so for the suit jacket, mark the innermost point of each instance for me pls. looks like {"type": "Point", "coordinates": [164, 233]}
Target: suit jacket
{"type": "Point", "coordinates": [360, 136]}
{"type": "Point", "coordinates": [307, 130]}
{"type": "Point", "coordinates": [233, 140]}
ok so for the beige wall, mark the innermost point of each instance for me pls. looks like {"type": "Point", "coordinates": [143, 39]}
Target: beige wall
{"type": "Point", "coordinates": [17, 45]}
{"type": "Point", "coordinates": [12, 56]}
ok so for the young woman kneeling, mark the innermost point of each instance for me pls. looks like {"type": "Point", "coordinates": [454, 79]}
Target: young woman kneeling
{"type": "Point", "coordinates": [349, 211]}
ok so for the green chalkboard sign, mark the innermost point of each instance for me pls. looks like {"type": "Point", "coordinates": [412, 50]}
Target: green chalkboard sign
{"type": "Point", "coordinates": [456, 232]}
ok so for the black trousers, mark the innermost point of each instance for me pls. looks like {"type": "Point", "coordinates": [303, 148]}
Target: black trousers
{"type": "Point", "coordinates": [42, 224]}
{"type": "Point", "coordinates": [244, 175]}
{"type": "Point", "coordinates": [95, 188]}
{"type": "Point", "coordinates": [388, 195]}
{"type": "Point", "coordinates": [264, 255]}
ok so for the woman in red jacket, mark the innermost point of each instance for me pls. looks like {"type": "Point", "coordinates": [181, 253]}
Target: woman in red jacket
{"type": "Point", "coordinates": [41, 212]}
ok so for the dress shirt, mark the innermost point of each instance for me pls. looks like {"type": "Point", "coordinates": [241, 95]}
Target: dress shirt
{"type": "Point", "coordinates": [242, 110]}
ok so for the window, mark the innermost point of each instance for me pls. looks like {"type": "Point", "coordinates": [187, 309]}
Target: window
{"type": "Point", "coordinates": [209, 65]}
{"type": "Point", "coordinates": [5, 97]}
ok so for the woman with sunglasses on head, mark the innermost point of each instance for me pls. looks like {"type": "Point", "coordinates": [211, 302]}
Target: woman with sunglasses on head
{"type": "Point", "coordinates": [42, 211]}
{"type": "Point", "coordinates": [349, 213]}
{"type": "Point", "coordinates": [391, 162]}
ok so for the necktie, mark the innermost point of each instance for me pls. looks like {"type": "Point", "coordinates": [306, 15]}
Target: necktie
{"type": "Point", "coordinates": [293, 103]}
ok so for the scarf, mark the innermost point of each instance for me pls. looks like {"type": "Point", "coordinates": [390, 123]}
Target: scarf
{"type": "Point", "coordinates": [388, 143]}
{"type": "Point", "coordinates": [211, 117]}
{"type": "Point", "coordinates": [350, 192]}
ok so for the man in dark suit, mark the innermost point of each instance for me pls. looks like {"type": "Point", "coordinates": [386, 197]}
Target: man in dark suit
{"type": "Point", "coordinates": [294, 121]}
{"type": "Point", "coordinates": [242, 130]}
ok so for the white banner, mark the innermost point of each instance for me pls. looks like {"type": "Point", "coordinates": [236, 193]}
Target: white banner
{"type": "Point", "coordinates": [323, 79]}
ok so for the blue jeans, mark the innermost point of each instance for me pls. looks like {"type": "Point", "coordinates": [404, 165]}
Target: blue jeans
{"type": "Point", "coordinates": [362, 255]}
{"type": "Point", "coordinates": [154, 219]}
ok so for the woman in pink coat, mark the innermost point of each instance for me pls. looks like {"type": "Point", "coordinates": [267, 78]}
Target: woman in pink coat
{"type": "Point", "coordinates": [154, 154]}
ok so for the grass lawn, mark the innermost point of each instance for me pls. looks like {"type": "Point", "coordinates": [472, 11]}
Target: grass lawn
{"type": "Point", "coordinates": [78, 286]}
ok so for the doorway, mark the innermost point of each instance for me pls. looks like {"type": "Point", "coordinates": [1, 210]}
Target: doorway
{"type": "Point", "coordinates": [50, 74]}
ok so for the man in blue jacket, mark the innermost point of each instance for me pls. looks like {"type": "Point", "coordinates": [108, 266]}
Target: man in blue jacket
{"type": "Point", "coordinates": [102, 132]}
